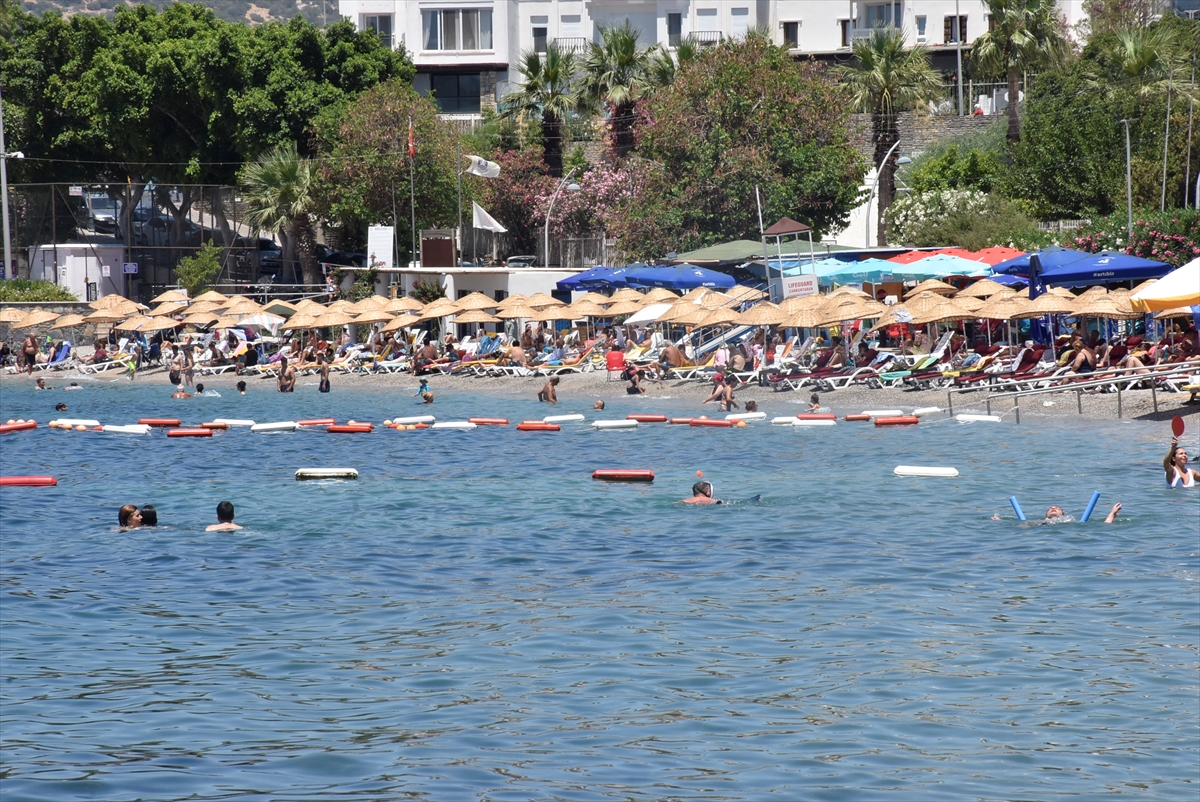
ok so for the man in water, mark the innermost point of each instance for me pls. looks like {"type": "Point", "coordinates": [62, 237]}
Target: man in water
{"type": "Point", "coordinates": [599, 404]}
{"type": "Point", "coordinates": [1056, 515]}
{"type": "Point", "coordinates": [224, 519]}
{"type": "Point", "coordinates": [241, 387]}
{"type": "Point", "coordinates": [702, 493]}
{"type": "Point", "coordinates": [547, 393]}
{"type": "Point", "coordinates": [180, 393]}
{"type": "Point", "coordinates": [287, 376]}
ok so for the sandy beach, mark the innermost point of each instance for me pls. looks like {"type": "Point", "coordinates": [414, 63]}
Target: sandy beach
{"type": "Point", "coordinates": [679, 394]}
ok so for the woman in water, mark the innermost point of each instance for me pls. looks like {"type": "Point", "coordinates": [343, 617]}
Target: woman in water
{"type": "Point", "coordinates": [1175, 465]}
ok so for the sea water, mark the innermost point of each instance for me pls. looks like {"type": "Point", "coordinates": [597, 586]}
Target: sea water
{"type": "Point", "coordinates": [476, 618]}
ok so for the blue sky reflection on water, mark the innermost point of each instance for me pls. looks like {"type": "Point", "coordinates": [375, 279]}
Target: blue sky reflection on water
{"type": "Point", "coordinates": [476, 618]}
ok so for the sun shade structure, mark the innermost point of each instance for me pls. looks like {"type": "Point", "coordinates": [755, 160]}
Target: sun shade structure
{"type": "Point", "coordinates": [281, 308]}
{"type": "Point", "coordinates": [170, 296]}
{"type": "Point", "coordinates": [762, 314]}
{"type": "Point", "coordinates": [200, 319]}
{"type": "Point", "coordinates": [516, 312]}
{"type": "Point", "coordinates": [1051, 304]}
{"type": "Point", "coordinates": [299, 321]}
{"type": "Point", "coordinates": [984, 288]}
{"type": "Point", "coordinates": [585, 308]}
{"type": "Point", "coordinates": [719, 317]}
{"type": "Point", "coordinates": [372, 317]}
{"type": "Point", "coordinates": [160, 324]}
{"type": "Point", "coordinates": [1180, 287]}
{"type": "Point", "coordinates": [514, 300]}
{"type": "Point", "coordinates": [1106, 267]}
{"type": "Point", "coordinates": [1004, 307]}
{"type": "Point", "coordinates": [110, 302]}
{"type": "Point", "coordinates": [11, 315]}
{"type": "Point", "coordinates": [37, 317]}
{"type": "Point", "coordinates": [68, 322]}
{"type": "Point", "coordinates": [540, 299]}
{"type": "Point", "coordinates": [852, 308]}
{"type": "Point", "coordinates": [660, 294]}
{"type": "Point", "coordinates": [622, 308]}
{"type": "Point", "coordinates": [932, 285]}
{"type": "Point", "coordinates": [134, 323]}
{"type": "Point", "coordinates": [948, 311]}
{"type": "Point", "coordinates": [212, 295]}
{"type": "Point", "coordinates": [476, 300]}
{"type": "Point", "coordinates": [400, 322]}
{"type": "Point", "coordinates": [476, 316]}
{"type": "Point", "coordinates": [331, 319]}
{"type": "Point", "coordinates": [406, 304]}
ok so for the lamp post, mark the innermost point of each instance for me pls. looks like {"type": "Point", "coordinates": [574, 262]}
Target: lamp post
{"type": "Point", "coordinates": [9, 267]}
{"type": "Point", "coordinates": [1128, 189]}
{"type": "Point", "coordinates": [875, 185]}
{"type": "Point", "coordinates": [570, 188]}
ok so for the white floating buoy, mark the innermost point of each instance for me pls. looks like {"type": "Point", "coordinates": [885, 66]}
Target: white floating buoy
{"type": "Point", "coordinates": [91, 424]}
{"type": "Point", "coordinates": [132, 428]}
{"type": "Point", "coordinates": [232, 422]}
{"type": "Point", "coordinates": [783, 421]}
{"type": "Point", "coordinates": [747, 416]}
{"type": "Point", "coordinates": [409, 421]}
{"type": "Point", "coordinates": [563, 419]}
{"type": "Point", "coordinates": [276, 426]}
{"type": "Point", "coordinates": [918, 470]}
{"type": "Point", "coordinates": [809, 422]}
{"type": "Point", "coordinates": [921, 412]}
{"type": "Point", "coordinates": [326, 473]}
{"type": "Point", "coordinates": [612, 424]}
{"type": "Point", "coordinates": [972, 418]}
{"type": "Point", "coordinates": [883, 413]}
{"type": "Point", "coordinates": [454, 424]}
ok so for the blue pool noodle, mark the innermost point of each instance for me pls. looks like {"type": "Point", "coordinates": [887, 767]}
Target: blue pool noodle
{"type": "Point", "coordinates": [1016, 507]}
{"type": "Point", "coordinates": [1091, 506]}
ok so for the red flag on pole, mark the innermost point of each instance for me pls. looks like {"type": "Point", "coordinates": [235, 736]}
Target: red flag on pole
{"type": "Point", "coordinates": [412, 143]}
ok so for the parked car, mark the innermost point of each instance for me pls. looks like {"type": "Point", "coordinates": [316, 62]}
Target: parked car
{"type": "Point", "coordinates": [345, 259]}
{"type": "Point", "coordinates": [156, 233]}
{"type": "Point", "coordinates": [525, 260]}
{"type": "Point", "coordinates": [103, 215]}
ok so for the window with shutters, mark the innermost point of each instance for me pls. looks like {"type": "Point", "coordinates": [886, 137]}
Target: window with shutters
{"type": "Point", "coordinates": [952, 34]}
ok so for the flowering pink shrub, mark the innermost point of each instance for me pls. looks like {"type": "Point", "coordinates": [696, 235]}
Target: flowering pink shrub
{"type": "Point", "coordinates": [1172, 237]}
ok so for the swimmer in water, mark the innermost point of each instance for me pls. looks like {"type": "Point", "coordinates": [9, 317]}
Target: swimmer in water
{"type": "Point", "coordinates": [323, 385]}
{"type": "Point", "coordinates": [547, 393]}
{"type": "Point", "coordinates": [129, 516]}
{"type": "Point", "coordinates": [1175, 465]}
{"type": "Point", "coordinates": [41, 384]}
{"type": "Point", "coordinates": [599, 404]}
{"type": "Point", "coordinates": [287, 376]}
{"type": "Point", "coordinates": [60, 407]}
{"type": "Point", "coordinates": [181, 393]}
{"type": "Point", "coordinates": [423, 388]}
{"type": "Point", "coordinates": [149, 515]}
{"type": "Point", "coordinates": [241, 387]}
{"type": "Point", "coordinates": [224, 519]}
{"type": "Point", "coordinates": [1055, 515]}
{"type": "Point", "coordinates": [752, 406]}
{"type": "Point", "coordinates": [73, 386]}
{"type": "Point", "coordinates": [702, 493]}
{"type": "Point", "coordinates": [814, 406]}
{"type": "Point", "coordinates": [199, 389]}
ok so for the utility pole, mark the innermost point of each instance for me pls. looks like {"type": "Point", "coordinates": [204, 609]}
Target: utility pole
{"type": "Point", "coordinates": [958, 49]}
{"type": "Point", "coordinates": [1128, 189]}
{"type": "Point", "coordinates": [10, 270]}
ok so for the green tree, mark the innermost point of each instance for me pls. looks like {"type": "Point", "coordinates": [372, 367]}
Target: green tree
{"type": "Point", "coordinates": [1024, 36]}
{"type": "Point", "coordinates": [195, 273]}
{"type": "Point", "coordinates": [888, 78]}
{"type": "Point", "coordinates": [364, 172]}
{"type": "Point", "coordinates": [742, 115]}
{"type": "Point", "coordinates": [278, 192]}
{"type": "Point", "coordinates": [616, 72]}
{"type": "Point", "coordinates": [549, 91]}
{"type": "Point", "coordinates": [663, 66]}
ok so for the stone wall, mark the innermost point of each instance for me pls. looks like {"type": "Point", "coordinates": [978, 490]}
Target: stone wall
{"type": "Point", "coordinates": [80, 335]}
{"type": "Point", "coordinates": [919, 132]}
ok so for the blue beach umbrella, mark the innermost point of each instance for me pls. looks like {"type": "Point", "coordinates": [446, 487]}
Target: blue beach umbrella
{"type": "Point", "coordinates": [690, 277]}
{"type": "Point", "coordinates": [575, 282]}
{"type": "Point", "coordinates": [1106, 267]}
{"type": "Point", "coordinates": [1051, 258]}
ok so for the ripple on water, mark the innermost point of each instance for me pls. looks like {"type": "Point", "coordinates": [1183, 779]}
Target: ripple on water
{"type": "Point", "coordinates": [476, 617]}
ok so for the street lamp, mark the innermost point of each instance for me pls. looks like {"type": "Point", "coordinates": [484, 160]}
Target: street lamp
{"type": "Point", "coordinates": [572, 187]}
{"type": "Point", "coordinates": [9, 268]}
{"type": "Point", "coordinates": [875, 185]}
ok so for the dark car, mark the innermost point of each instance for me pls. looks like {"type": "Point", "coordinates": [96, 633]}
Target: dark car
{"type": "Point", "coordinates": [345, 259]}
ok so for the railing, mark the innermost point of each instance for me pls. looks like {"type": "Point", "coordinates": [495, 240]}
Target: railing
{"type": "Point", "coordinates": [1062, 225]}
{"type": "Point", "coordinates": [858, 34]}
{"type": "Point", "coordinates": [706, 38]}
{"type": "Point", "coordinates": [573, 44]}
{"type": "Point", "coordinates": [1120, 378]}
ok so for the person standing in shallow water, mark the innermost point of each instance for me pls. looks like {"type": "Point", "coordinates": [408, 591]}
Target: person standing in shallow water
{"type": "Point", "coordinates": [287, 376]}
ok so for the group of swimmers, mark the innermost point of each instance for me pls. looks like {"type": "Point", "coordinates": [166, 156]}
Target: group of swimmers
{"type": "Point", "coordinates": [130, 516]}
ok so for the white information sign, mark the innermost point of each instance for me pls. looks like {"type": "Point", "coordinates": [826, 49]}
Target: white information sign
{"type": "Point", "coordinates": [75, 192]}
{"type": "Point", "coordinates": [105, 271]}
{"type": "Point", "coordinates": [798, 286]}
{"type": "Point", "coordinates": [379, 247]}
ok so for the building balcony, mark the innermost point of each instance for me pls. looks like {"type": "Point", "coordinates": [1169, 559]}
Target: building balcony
{"type": "Point", "coordinates": [859, 34]}
{"type": "Point", "coordinates": [573, 44]}
{"type": "Point", "coordinates": [706, 38]}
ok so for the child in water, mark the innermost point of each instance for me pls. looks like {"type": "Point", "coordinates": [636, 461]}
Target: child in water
{"type": "Point", "coordinates": [814, 406]}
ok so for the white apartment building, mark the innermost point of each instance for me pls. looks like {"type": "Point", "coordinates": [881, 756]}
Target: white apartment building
{"type": "Point", "coordinates": [467, 51]}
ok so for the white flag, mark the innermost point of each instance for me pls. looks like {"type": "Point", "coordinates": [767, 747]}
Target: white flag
{"type": "Point", "coordinates": [482, 219]}
{"type": "Point", "coordinates": [483, 167]}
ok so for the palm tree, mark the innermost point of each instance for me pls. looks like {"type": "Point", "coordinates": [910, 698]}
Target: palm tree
{"type": "Point", "coordinates": [616, 72]}
{"type": "Point", "coordinates": [663, 67]}
{"type": "Point", "coordinates": [888, 78]}
{"type": "Point", "coordinates": [1025, 35]}
{"type": "Point", "coordinates": [278, 196]}
{"type": "Point", "coordinates": [549, 90]}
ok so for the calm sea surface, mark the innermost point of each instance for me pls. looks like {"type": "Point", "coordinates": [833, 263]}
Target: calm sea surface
{"type": "Point", "coordinates": [475, 618]}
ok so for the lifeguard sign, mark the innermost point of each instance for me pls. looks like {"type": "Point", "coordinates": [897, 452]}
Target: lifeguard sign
{"type": "Point", "coordinates": [799, 286]}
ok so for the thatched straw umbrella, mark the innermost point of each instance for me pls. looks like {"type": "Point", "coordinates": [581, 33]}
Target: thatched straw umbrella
{"type": "Point", "coordinates": [932, 285]}
{"type": "Point", "coordinates": [660, 295]}
{"type": "Point", "coordinates": [37, 317]}
{"type": "Point", "coordinates": [984, 288]}
{"type": "Point", "coordinates": [212, 295]}
{"type": "Point", "coordinates": [170, 296]}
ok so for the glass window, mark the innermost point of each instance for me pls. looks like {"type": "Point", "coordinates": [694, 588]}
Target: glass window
{"type": "Point", "coordinates": [470, 30]}
{"type": "Point", "coordinates": [674, 29]}
{"type": "Point", "coordinates": [431, 27]}
{"type": "Point", "coordinates": [381, 24]}
{"type": "Point", "coordinates": [450, 31]}
{"type": "Point", "coordinates": [571, 26]}
{"type": "Point", "coordinates": [951, 32]}
{"type": "Point", "coordinates": [485, 29]}
{"type": "Point", "coordinates": [456, 93]}
{"type": "Point", "coordinates": [844, 24]}
{"type": "Point", "coordinates": [539, 40]}
{"type": "Point", "coordinates": [921, 29]}
{"type": "Point", "coordinates": [739, 21]}
{"type": "Point", "coordinates": [791, 34]}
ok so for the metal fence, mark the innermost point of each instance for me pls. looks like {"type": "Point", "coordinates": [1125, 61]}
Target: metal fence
{"type": "Point", "coordinates": [577, 252]}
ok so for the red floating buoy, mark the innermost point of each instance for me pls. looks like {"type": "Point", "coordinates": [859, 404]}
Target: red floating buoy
{"type": "Point", "coordinates": [902, 420]}
{"type": "Point", "coordinates": [680, 421]}
{"type": "Point", "coordinates": [199, 431]}
{"type": "Point", "coordinates": [28, 481]}
{"type": "Point", "coordinates": [18, 427]}
{"type": "Point", "coordinates": [857, 417]}
{"type": "Point", "coordinates": [317, 422]}
{"type": "Point", "coordinates": [623, 475]}
{"type": "Point", "coordinates": [647, 418]}
{"type": "Point", "coordinates": [351, 428]}
{"type": "Point", "coordinates": [537, 426]}
{"type": "Point", "coordinates": [720, 424]}
{"type": "Point", "coordinates": [211, 425]}
{"type": "Point", "coordinates": [817, 416]}
{"type": "Point", "coordinates": [159, 421]}
{"type": "Point", "coordinates": [488, 421]}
